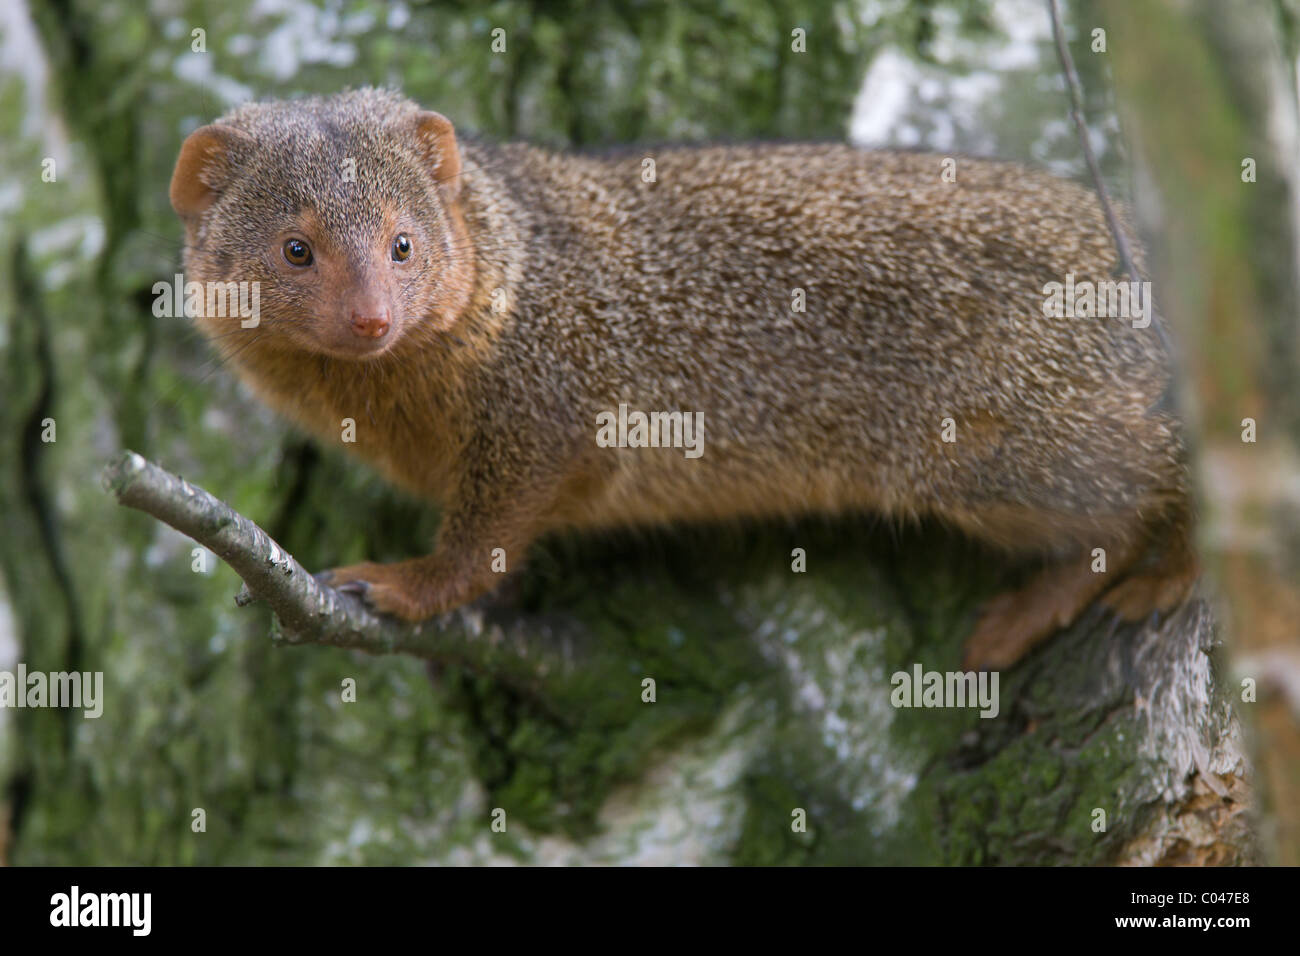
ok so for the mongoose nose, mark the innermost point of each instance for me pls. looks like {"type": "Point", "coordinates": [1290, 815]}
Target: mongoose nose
{"type": "Point", "coordinates": [370, 326]}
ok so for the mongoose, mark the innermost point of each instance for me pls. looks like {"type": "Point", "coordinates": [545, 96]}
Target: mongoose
{"type": "Point", "coordinates": [854, 331]}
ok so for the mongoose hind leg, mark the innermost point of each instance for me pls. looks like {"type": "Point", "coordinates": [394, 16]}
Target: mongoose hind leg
{"type": "Point", "coordinates": [1011, 624]}
{"type": "Point", "coordinates": [1161, 586]}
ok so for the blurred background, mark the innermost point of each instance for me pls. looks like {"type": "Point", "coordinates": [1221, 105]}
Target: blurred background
{"type": "Point", "coordinates": [773, 693]}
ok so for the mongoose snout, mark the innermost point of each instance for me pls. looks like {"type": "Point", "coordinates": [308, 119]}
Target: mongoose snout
{"type": "Point", "coordinates": [370, 326]}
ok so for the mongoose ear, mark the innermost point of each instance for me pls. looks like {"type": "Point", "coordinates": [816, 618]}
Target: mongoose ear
{"type": "Point", "coordinates": [437, 139]}
{"type": "Point", "coordinates": [204, 168]}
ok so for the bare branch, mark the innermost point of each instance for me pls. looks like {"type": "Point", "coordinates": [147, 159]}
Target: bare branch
{"type": "Point", "coordinates": [481, 636]}
{"type": "Point", "coordinates": [1076, 113]}
{"type": "Point", "coordinates": [1094, 169]}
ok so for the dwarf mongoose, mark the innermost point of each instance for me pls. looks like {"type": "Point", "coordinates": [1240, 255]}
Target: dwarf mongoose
{"type": "Point", "coordinates": [853, 329]}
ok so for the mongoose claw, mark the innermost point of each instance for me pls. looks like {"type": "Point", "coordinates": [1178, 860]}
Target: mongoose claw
{"type": "Point", "coordinates": [327, 578]}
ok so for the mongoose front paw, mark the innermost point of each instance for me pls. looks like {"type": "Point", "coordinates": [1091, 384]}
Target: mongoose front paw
{"type": "Point", "coordinates": [403, 590]}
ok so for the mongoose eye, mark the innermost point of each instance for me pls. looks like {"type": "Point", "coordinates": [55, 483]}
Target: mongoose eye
{"type": "Point", "coordinates": [401, 248]}
{"type": "Point", "coordinates": [297, 253]}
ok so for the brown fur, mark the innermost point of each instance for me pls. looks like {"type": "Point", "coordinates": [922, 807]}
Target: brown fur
{"type": "Point", "coordinates": [924, 301]}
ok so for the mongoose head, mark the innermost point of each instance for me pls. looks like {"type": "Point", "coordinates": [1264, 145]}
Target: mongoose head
{"type": "Point", "coordinates": [343, 209]}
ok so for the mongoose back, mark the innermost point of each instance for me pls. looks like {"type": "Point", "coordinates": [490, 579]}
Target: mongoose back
{"type": "Point", "coordinates": [854, 332]}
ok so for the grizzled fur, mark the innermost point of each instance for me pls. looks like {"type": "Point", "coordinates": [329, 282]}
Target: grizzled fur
{"type": "Point", "coordinates": [546, 288]}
